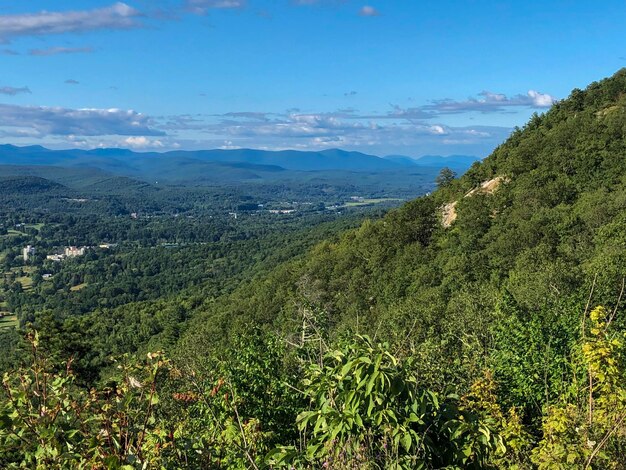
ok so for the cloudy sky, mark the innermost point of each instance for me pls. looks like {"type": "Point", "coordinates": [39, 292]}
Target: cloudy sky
{"type": "Point", "coordinates": [380, 76]}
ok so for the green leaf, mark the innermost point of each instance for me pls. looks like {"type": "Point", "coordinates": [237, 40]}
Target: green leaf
{"type": "Point", "coordinates": [406, 441]}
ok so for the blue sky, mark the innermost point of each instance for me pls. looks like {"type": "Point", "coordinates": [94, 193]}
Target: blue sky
{"type": "Point", "coordinates": [383, 77]}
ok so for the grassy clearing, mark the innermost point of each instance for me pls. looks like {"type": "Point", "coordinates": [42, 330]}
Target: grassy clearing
{"type": "Point", "coordinates": [13, 232]}
{"type": "Point", "coordinates": [26, 281]}
{"type": "Point", "coordinates": [78, 287]}
{"type": "Point", "coordinates": [8, 321]}
{"type": "Point", "coordinates": [369, 202]}
{"type": "Point", "coordinates": [37, 227]}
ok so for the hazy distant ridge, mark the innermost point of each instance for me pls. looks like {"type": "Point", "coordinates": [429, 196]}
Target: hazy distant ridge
{"type": "Point", "coordinates": [223, 165]}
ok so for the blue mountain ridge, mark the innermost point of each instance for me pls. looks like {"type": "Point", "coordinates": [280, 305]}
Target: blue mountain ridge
{"type": "Point", "coordinates": [238, 164]}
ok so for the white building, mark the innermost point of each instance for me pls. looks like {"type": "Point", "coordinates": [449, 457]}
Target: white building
{"type": "Point", "coordinates": [28, 252]}
{"type": "Point", "coordinates": [282, 211]}
{"type": "Point", "coordinates": [72, 251]}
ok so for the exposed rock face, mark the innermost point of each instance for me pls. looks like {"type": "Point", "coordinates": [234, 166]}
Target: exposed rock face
{"type": "Point", "coordinates": [448, 214]}
{"type": "Point", "coordinates": [448, 211]}
{"type": "Point", "coordinates": [489, 186]}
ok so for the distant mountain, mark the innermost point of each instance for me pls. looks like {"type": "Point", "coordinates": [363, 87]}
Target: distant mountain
{"type": "Point", "coordinates": [460, 163]}
{"type": "Point", "coordinates": [402, 160]}
{"type": "Point", "coordinates": [74, 178]}
{"type": "Point", "coordinates": [116, 159]}
{"type": "Point", "coordinates": [333, 159]}
{"type": "Point", "coordinates": [452, 161]}
{"type": "Point", "coordinates": [206, 166]}
{"type": "Point", "coordinates": [13, 185]}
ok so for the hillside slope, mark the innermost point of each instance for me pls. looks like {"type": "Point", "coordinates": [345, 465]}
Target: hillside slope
{"type": "Point", "coordinates": [28, 185]}
{"type": "Point", "coordinates": [520, 257]}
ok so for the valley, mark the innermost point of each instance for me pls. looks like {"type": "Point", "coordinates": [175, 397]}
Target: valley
{"type": "Point", "coordinates": [312, 235]}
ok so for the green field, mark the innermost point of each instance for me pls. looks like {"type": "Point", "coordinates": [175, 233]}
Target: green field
{"type": "Point", "coordinates": [369, 202]}
{"type": "Point", "coordinates": [26, 281]}
{"type": "Point", "coordinates": [8, 321]}
{"type": "Point", "coordinates": [13, 233]}
{"type": "Point", "coordinates": [78, 287]}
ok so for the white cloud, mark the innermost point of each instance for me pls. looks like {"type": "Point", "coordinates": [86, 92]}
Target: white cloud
{"type": "Point", "coordinates": [142, 142]}
{"type": "Point", "coordinates": [201, 7]}
{"type": "Point", "coordinates": [298, 130]}
{"type": "Point", "coordinates": [438, 130]}
{"type": "Point", "coordinates": [47, 121]}
{"type": "Point", "coordinates": [487, 102]}
{"type": "Point", "coordinates": [369, 11]}
{"type": "Point", "coordinates": [494, 97]}
{"type": "Point", "coordinates": [139, 143]}
{"type": "Point", "coordinates": [541, 100]}
{"type": "Point", "coordinates": [116, 16]}
{"type": "Point", "coordinates": [228, 145]}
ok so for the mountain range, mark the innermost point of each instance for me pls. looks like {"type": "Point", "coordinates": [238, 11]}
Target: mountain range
{"type": "Point", "coordinates": [219, 165]}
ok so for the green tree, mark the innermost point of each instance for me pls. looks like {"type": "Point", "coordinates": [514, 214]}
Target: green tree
{"type": "Point", "coordinates": [445, 177]}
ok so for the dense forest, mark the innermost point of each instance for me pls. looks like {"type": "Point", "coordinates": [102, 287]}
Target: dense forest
{"type": "Point", "coordinates": [480, 326]}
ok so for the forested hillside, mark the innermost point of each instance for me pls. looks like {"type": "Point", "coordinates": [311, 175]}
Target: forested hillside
{"type": "Point", "coordinates": [481, 326]}
{"type": "Point", "coordinates": [531, 245]}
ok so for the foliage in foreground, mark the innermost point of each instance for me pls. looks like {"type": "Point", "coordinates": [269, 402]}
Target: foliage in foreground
{"type": "Point", "coordinates": [48, 422]}
{"type": "Point", "coordinates": [358, 405]}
